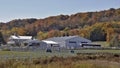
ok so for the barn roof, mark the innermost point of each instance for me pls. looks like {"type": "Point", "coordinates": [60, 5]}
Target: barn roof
{"type": "Point", "coordinates": [32, 41]}
{"type": "Point", "coordinates": [20, 37]}
{"type": "Point", "coordinates": [61, 38]}
{"type": "Point", "coordinates": [58, 39]}
{"type": "Point", "coordinates": [49, 42]}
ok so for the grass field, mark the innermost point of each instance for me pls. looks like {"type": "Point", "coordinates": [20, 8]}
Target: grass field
{"type": "Point", "coordinates": [97, 51]}
{"type": "Point", "coordinates": [54, 53]}
{"type": "Point", "coordinates": [81, 61]}
{"type": "Point", "coordinates": [64, 59]}
{"type": "Point", "coordinates": [14, 53]}
{"type": "Point", "coordinates": [65, 53]}
{"type": "Point", "coordinates": [34, 54]}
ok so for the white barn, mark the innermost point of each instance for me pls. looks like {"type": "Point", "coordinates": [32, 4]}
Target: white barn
{"type": "Point", "coordinates": [18, 39]}
{"type": "Point", "coordinates": [70, 42]}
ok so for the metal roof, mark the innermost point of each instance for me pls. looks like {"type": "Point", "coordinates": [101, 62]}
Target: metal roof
{"type": "Point", "coordinates": [50, 42]}
{"type": "Point", "coordinates": [20, 37]}
{"type": "Point", "coordinates": [32, 41]}
{"type": "Point", "coordinates": [59, 39]}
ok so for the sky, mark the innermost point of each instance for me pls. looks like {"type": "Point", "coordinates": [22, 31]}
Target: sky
{"type": "Point", "coordinates": [22, 9]}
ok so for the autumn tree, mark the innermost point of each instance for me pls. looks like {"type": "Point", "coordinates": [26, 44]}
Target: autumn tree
{"type": "Point", "coordinates": [73, 32]}
{"type": "Point", "coordinates": [110, 33]}
{"type": "Point", "coordinates": [54, 33]}
{"type": "Point", "coordinates": [85, 32]}
{"type": "Point", "coordinates": [114, 42]}
{"type": "Point", "coordinates": [97, 33]}
{"type": "Point", "coordinates": [19, 31]}
{"type": "Point", "coordinates": [41, 35]}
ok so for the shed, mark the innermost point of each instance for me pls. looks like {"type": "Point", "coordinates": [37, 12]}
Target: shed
{"type": "Point", "coordinates": [52, 44]}
{"type": "Point", "coordinates": [35, 44]}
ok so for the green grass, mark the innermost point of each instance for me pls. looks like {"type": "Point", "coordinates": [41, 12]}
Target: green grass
{"type": "Point", "coordinates": [35, 54]}
{"type": "Point", "coordinates": [65, 53]}
{"type": "Point", "coordinates": [14, 53]}
{"type": "Point", "coordinates": [97, 51]}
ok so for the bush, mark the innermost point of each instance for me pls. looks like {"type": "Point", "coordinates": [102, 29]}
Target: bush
{"type": "Point", "coordinates": [6, 49]}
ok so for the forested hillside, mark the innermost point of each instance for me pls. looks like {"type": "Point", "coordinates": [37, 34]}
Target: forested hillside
{"type": "Point", "coordinates": [96, 26]}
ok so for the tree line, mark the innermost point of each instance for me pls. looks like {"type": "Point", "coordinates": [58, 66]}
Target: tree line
{"type": "Point", "coordinates": [96, 26]}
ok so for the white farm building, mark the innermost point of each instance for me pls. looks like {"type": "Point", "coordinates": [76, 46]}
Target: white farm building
{"type": "Point", "coordinates": [18, 39]}
{"type": "Point", "coordinates": [69, 42]}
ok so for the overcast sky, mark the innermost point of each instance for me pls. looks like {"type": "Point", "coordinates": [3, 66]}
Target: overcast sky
{"type": "Point", "coordinates": [15, 9]}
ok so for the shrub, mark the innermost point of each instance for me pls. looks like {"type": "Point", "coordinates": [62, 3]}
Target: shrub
{"type": "Point", "coordinates": [6, 49]}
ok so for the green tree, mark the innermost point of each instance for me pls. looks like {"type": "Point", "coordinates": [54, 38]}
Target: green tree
{"type": "Point", "coordinates": [114, 41]}
{"type": "Point", "coordinates": [97, 34]}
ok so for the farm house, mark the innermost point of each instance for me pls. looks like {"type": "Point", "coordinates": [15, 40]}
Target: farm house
{"type": "Point", "coordinates": [69, 42]}
{"type": "Point", "coordinates": [18, 39]}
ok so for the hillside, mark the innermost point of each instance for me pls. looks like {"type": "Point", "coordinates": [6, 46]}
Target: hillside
{"type": "Point", "coordinates": [92, 25]}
